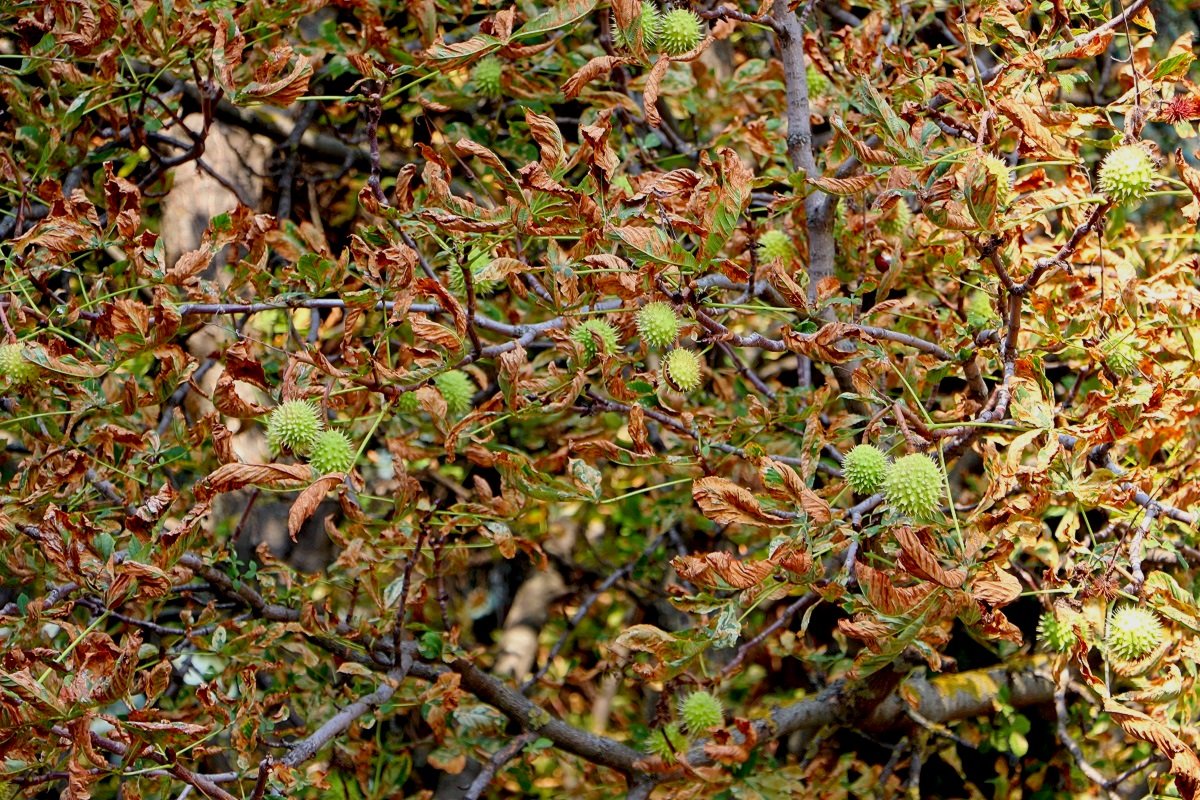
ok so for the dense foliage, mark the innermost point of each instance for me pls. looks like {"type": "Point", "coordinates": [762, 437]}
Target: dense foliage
{"type": "Point", "coordinates": [484, 437]}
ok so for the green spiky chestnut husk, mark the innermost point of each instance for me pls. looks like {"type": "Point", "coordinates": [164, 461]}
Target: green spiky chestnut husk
{"type": "Point", "coordinates": [457, 389]}
{"type": "Point", "coordinates": [331, 452]}
{"type": "Point", "coordinates": [648, 23]}
{"type": "Point", "coordinates": [293, 425]}
{"type": "Point", "coordinates": [897, 220]}
{"type": "Point", "coordinates": [998, 167]}
{"type": "Point", "coordinates": [408, 403]}
{"type": "Point", "coordinates": [775, 245]}
{"type": "Point", "coordinates": [682, 369]}
{"type": "Point", "coordinates": [1133, 633]}
{"type": "Point", "coordinates": [1127, 174]}
{"type": "Point", "coordinates": [1121, 356]}
{"type": "Point", "coordinates": [865, 467]}
{"type": "Point", "coordinates": [701, 711]}
{"type": "Point", "coordinates": [487, 75]}
{"type": "Point", "coordinates": [979, 310]}
{"type": "Point", "coordinates": [913, 486]}
{"type": "Point", "coordinates": [596, 330]}
{"type": "Point", "coordinates": [1055, 634]}
{"type": "Point", "coordinates": [657, 744]}
{"type": "Point", "coordinates": [658, 324]}
{"type": "Point", "coordinates": [818, 84]}
{"type": "Point", "coordinates": [681, 31]}
{"type": "Point", "coordinates": [478, 264]}
{"type": "Point", "coordinates": [14, 367]}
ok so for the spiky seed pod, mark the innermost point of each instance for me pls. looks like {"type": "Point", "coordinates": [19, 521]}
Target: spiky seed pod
{"type": "Point", "coordinates": [14, 367]}
{"type": "Point", "coordinates": [658, 324]}
{"type": "Point", "coordinates": [681, 32]}
{"type": "Point", "coordinates": [592, 331]}
{"type": "Point", "coordinates": [865, 467]}
{"type": "Point", "coordinates": [457, 389]}
{"type": "Point", "coordinates": [408, 403]}
{"type": "Point", "coordinates": [818, 84]}
{"type": "Point", "coordinates": [648, 23]}
{"type": "Point", "coordinates": [681, 368]}
{"type": "Point", "coordinates": [701, 711]}
{"type": "Point", "coordinates": [775, 245]}
{"type": "Point", "coordinates": [657, 744]}
{"type": "Point", "coordinates": [1127, 174]}
{"type": "Point", "coordinates": [478, 264]}
{"type": "Point", "coordinates": [293, 425]}
{"type": "Point", "coordinates": [1004, 185]}
{"type": "Point", "coordinates": [913, 486]}
{"type": "Point", "coordinates": [896, 220]}
{"type": "Point", "coordinates": [331, 452]}
{"type": "Point", "coordinates": [1121, 356]}
{"type": "Point", "coordinates": [486, 76]}
{"type": "Point", "coordinates": [1055, 634]}
{"type": "Point", "coordinates": [979, 310]}
{"type": "Point", "coordinates": [1133, 633]}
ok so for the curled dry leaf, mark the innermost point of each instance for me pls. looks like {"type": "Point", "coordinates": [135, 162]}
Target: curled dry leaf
{"type": "Point", "coordinates": [231, 477]}
{"type": "Point", "coordinates": [308, 501]}
{"type": "Point", "coordinates": [726, 503]}
{"type": "Point", "coordinates": [650, 95]}
{"type": "Point", "coordinates": [600, 65]}
{"type": "Point", "coordinates": [994, 586]}
{"type": "Point", "coordinates": [918, 560]}
{"type": "Point", "coordinates": [1184, 764]}
{"type": "Point", "coordinates": [706, 569]}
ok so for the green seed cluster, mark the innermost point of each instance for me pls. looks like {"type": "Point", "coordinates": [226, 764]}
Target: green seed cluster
{"type": "Point", "coordinates": [331, 452]}
{"type": "Point", "coordinates": [682, 369]}
{"type": "Point", "coordinates": [647, 25]}
{"type": "Point", "coordinates": [897, 220]}
{"type": "Point", "coordinates": [681, 32]}
{"type": "Point", "coordinates": [1133, 633]}
{"type": "Point", "coordinates": [658, 324]}
{"type": "Point", "coordinates": [865, 468]}
{"type": "Point", "coordinates": [1127, 174]}
{"type": "Point", "coordinates": [15, 367]}
{"type": "Point", "coordinates": [1121, 356]}
{"type": "Point", "coordinates": [775, 245]}
{"type": "Point", "coordinates": [457, 389]}
{"type": "Point", "coordinates": [596, 336]}
{"type": "Point", "coordinates": [1055, 634]}
{"type": "Point", "coordinates": [667, 742]}
{"type": "Point", "coordinates": [486, 76]}
{"type": "Point", "coordinates": [294, 426]}
{"type": "Point", "coordinates": [913, 486]}
{"type": "Point", "coordinates": [700, 711]}
{"type": "Point", "coordinates": [478, 264]}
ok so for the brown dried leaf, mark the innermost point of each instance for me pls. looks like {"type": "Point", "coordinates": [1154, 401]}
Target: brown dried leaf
{"type": "Point", "coordinates": [282, 92]}
{"type": "Point", "coordinates": [922, 563]}
{"type": "Point", "coordinates": [600, 65]}
{"type": "Point", "coordinates": [844, 187]}
{"type": "Point", "coordinates": [1022, 115]}
{"type": "Point", "coordinates": [231, 477]}
{"type": "Point", "coordinates": [147, 515]}
{"type": "Point", "coordinates": [995, 586]}
{"type": "Point", "coordinates": [308, 501]}
{"type": "Point", "coordinates": [706, 569]}
{"type": "Point", "coordinates": [1184, 764]}
{"type": "Point", "coordinates": [727, 503]}
{"type": "Point", "coordinates": [549, 139]}
{"type": "Point", "coordinates": [884, 595]}
{"type": "Point", "coordinates": [795, 489]}
{"type": "Point", "coordinates": [650, 94]}
{"type": "Point", "coordinates": [227, 400]}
